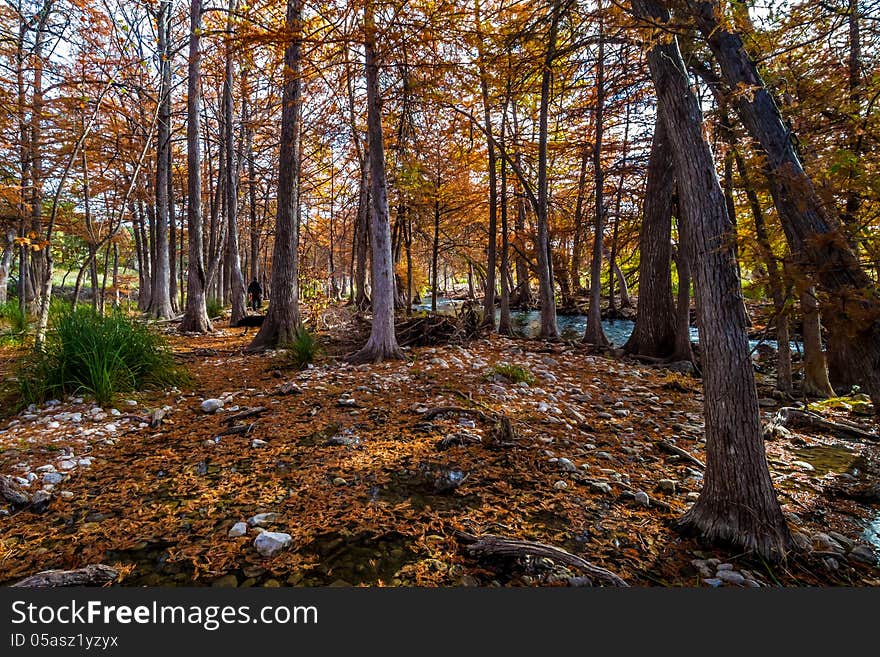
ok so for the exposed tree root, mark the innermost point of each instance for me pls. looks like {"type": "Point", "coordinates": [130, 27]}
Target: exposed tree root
{"type": "Point", "coordinates": [669, 447]}
{"type": "Point", "coordinates": [490, 544]}
{"type": "Point", "coordinates": [732, 527]}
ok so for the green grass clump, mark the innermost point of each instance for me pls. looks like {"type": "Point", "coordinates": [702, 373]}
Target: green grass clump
{"type": "Point", "coordinates": [514, 373]}
{"type": "Point", "coordinates": [12, 319]}
{"type": "Point", "coordinates": [303, 349]}
{"type": "Point", "coordinates": [214, 308]}
{"type": "Point", "coordinates": [102, 356]}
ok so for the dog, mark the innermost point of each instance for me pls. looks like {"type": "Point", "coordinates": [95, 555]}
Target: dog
{"type": "Point", "coordinates": [250, 321]}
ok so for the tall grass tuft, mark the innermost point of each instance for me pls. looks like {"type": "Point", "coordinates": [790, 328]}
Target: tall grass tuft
{"type": "Point", "coordinates": [12, 317]}
{"type": "Point", "coordinates": [214, 308]}
{"type": "Point", "coordinates": [102, 356]}
{"type": "Point", "coordinates": [303, 349]}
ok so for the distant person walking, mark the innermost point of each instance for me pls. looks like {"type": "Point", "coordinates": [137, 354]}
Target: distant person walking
{"type": "Point", "coordinates": [255, 294]}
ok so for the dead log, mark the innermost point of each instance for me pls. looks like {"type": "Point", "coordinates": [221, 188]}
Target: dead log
{"type": "Point", "coordinates": [687, 456]}
{"type": "Point", "coordinates": [794, 418]}
{"type": "Point", "coordinates": [251, 412]}
{"type": "Point", "coordinates": [92, 575]}
{"type": "Point", "coordinates": [489, 544]}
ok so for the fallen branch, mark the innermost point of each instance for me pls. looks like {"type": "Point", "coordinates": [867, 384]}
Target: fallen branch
{"type": "Point", "coordinates": [234, 431]}
{"type": "Point", "coordinates": [794, 418]}
{"type": "Point", "coordinates": [92, 575]}
{"type": "Point", "coordinates": [509, 547]}
{"type": "Point", "coordinates": [258, 410]}
{"type": "Point", "coordinates": [687, 456]}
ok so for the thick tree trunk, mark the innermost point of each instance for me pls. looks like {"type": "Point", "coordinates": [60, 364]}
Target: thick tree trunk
{"type": "Point", "coordinates": [654, 331]}
{"type": "Point", "coordinates": [737, 504]}
{"type": "Point", "coordinates": [160, 299]}
{"type": "Point", "coordinates": [851, 301]}
{"type": "Point", "coordinates": [282, 322]}
{"type": "Point", "coordinates": [546, 292]}
{"type": "Point", "coordinates": [382, 344]}
{"type": "Point", "coordinates": [195, 316]}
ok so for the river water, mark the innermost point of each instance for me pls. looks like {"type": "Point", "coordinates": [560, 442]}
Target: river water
{"type": "Point", "coordinates": [527, 324]}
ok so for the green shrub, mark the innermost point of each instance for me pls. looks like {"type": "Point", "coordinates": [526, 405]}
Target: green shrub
{"type": "Point", "coordinates": [103, 356]}
{"type": "Point", "coordinates": [303, 350]}
{"type": "Point", "coordinates": [214, 308]}
{"type": "Point", "coordinates": [514, 373]}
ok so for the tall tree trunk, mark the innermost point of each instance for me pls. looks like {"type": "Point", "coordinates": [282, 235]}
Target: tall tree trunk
{"type": "Point", "coordinates": [839, 373]}
{"type": "Point", "coordinates": [737, 504]}
{"type": "Point", "coordinates": [613, 267]}
{"type": "Point", "coordinates": [362, 232]}
{"type": "Point", "coordinates": [195, 316]}
{"type": "Point", "coordinates": [382, 344]}
{"type": "Point", "coordinates": [235, 277]}
{"type": "Point", "coordinates": [654, 331]}
{"type": "Point", "coordinates": [39, 257]}
{"type": "Point", "coordinates": [160, 300]}
{"type": "Point", "coordinates": [594, 334]}
{"type": "Point", "coordinates": [504, 327]}
{"type": "Point", "coordinates": [491, 258]}
{"type": "Point", "coordinates": [435, 244]}
{"type": "Point", "coordinates": [282, 323]}
{"type": "Point", "coordinates": [576, 247]}
{"type": "Point", "coordinates": [255, 273]}
{"type": "Point", "coordinates": [683, 349]}
{"type": "Point", "coordinates": [777, 286]}
{"type": "Point", "coordinates": [819, 248]}
{"type": "Point", "coordinates": [173, 291]}
{"type": "Point", "coordinates": [547, 293]}
{"type": "Point", "coordinates": [816, 381]}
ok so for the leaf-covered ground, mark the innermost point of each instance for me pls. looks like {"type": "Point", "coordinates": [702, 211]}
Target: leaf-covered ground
{"type": "Point", "coordinates": [348, 460]}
